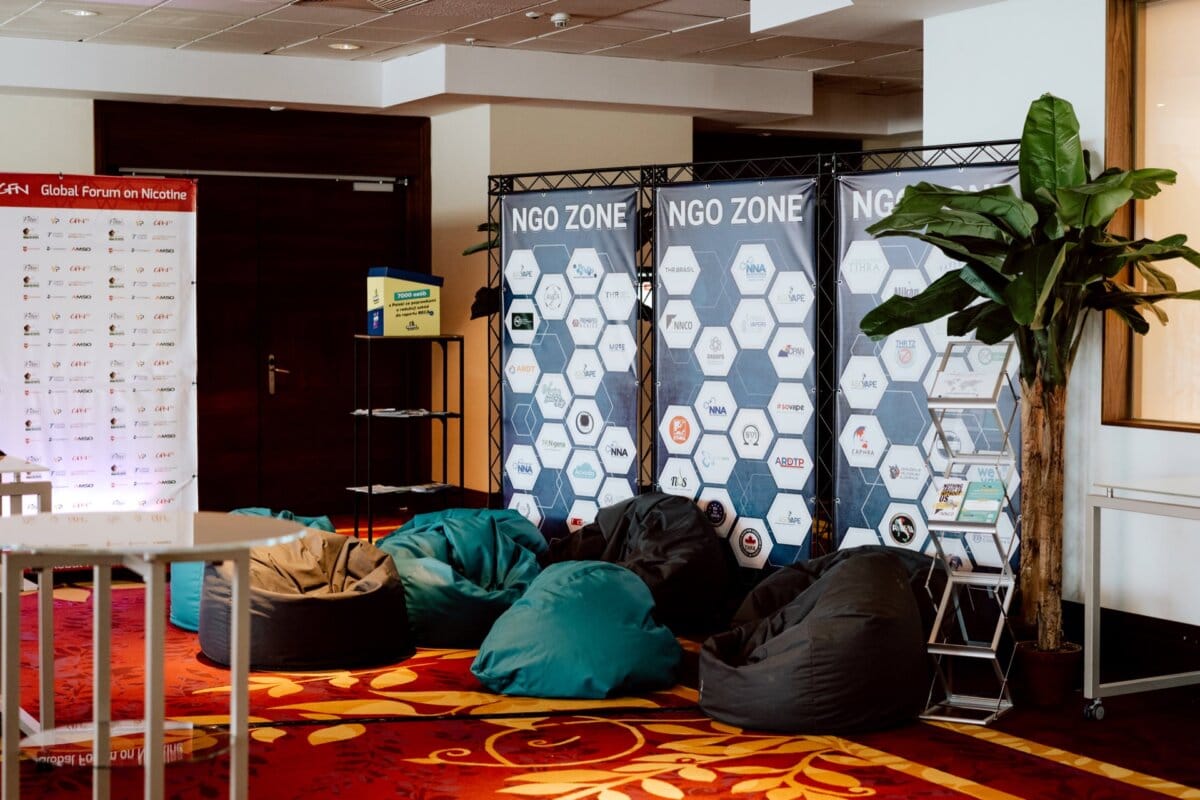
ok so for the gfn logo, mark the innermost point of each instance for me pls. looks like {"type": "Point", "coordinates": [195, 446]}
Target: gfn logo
{"type": "Point", "coordinates": [14, 189]}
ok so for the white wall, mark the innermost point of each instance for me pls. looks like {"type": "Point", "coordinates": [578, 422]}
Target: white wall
{"type": "Point", "coordinates": [46, 134]}
{"type": "Point", "coordinates": [982, 68]}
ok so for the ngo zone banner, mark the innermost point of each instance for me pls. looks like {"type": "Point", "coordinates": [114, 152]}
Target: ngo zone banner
{"type": "Point", "coordinates": [734, 359]}
{"type": "Point", "coordinates": [886, 440]}
{"type": "Point", "coordinates": [569, 354]}
{"type": "Point", "coordinates": [98, 360]}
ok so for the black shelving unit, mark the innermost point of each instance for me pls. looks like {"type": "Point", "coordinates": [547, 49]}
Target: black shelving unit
{"type": "Point", "coordinates": [366, 415]}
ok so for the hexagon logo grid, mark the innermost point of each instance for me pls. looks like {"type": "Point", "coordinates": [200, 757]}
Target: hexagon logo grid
{"type": "Point", "coordinates": [791, 352]}
{"type": "Point", "coordinates": [617, 348]}
{"type": "Point", "coordinates": [522, 370]}
{"type": "Point", "coordinates": [789, 519]}
{"type": "Point", "coordinates": [553, 396]}
{"type": "Point", "coordinates": [753, 269]}
{"type": "Point", "coordinates": [751, 433]}
{"type": "Point", "coordinates": [679, 477]}
{"type": "Point", "coordinates": [522, 467]}
{"type": "Point", "coordinates": [585, 371]}
{"type": "Point", "coordinates": [715, 352]}
{"type": "Point", "coordinates": [679, 430]}
{"type": "Point", "coordinates": [585, 322]}
{"type": "Point", "coordinates": [527, 505]}
{"type": "Point", "coordinates": [790, 463]}
{"type": "Point", "coordinates": [791, 408]}
{"type": "Point", "coordinates": [750, 542]}
{"type": "Point", "coordinates": [617, 296]}
{"type": "Point", "coordinates": [553, 297]}
{"type": "Point", "coordinates": [863, 382]}
{"type": "Point", "coordinates": [718, 508]}
{"type": "Point", "coordinates": [678, 324]}
{"type": "Point", "coordinates": [752, 323]}
{"type": "Point", "coordinates": [585, 473]}
{"type": "Point", "coordinates": [679, 270]}
{"type": "Point", "coordinates": [862, 441]}
{"type": "Point", "coordinates": [584, 270]}
{"type": "Point", "coordinates": [791, 297]}
{"type": "Point", "coordinates": [714, 458]}
{"type": "Point", "coordinates": [584, 422]}
{"type": "Point", "coordinates": [522, 321]}
{"type": "Point", "coordinates": [715, 406]}
{"type": "Point", "coordinates": [521, 271]}
{"type": "Point", "coordinates": [552, 445]}
{"type": "Point", "coordinates": [617, 450]}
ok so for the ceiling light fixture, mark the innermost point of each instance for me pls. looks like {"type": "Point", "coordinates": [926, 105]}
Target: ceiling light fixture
{"type": "Point", "coordinates": [533, 14]}
{"type": "Point", "coordinates": [345, 46]}
{"type": "Point", "coordinates": [276, 108]}
{"type": "Point", "coordinates": [80, 12]}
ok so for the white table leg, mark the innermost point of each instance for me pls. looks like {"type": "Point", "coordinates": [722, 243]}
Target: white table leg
{"type": "Point", "coordinates": [10, 674]}
{"type": "Point", "coordinates": [239, 696]}
{"type": "Point", "coordinates": [102, 678]}
{"type": "Point", "coordinates": [156, 618]}
{"type": "Point", "coordinates": [1091, 601]}
{"type": "Point", "coordinates": [46, 648]}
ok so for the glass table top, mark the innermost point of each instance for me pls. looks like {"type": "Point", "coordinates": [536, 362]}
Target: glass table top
{"type": "Point", "coordinates": [142, 533]}
{"type": "Point", "coordinates": [1186, 486]}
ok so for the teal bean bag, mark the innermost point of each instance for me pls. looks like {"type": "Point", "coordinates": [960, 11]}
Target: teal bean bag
{"type": "Point", "coordinates": [187, 577]}
{"type": "Point", "coordinates": [461, 570]}
{"type": "Point", "coordinates": [583, 629]}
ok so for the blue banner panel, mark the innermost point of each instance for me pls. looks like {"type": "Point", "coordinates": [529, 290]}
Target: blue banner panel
{"type": "Point", "coordinates": [734, 360]}
{"type": "Point", "coordinates": [887, 446]}
{"type": "Point", "coordinates": [569, 354]}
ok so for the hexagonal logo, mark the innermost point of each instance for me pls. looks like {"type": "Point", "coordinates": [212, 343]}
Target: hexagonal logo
{"type": "Point", "coordinates": [789, 519]}
{"type": "Point", "coordinates": [752, 323]}
{"type": "Point", "coordinates": [752, 434]}
{"type": "Point", "coordinates": [522, 370]}
{"type": "Point", "coordinates": [715, 351]}
{"type": "Point", "coordinates": [903, 526]}
{"type": "Point", "coordinates": [905, 355]}
{"type": "Point", "coordinates": [617, 296]}
{"type": "Point", "coordinates": [864, 266]}
{"type": "Point", "coordinates": [903, 282]}
{"type": "Point", "coordinates": [714, 458]}
{"type": "Point", "coordinates": [790, 407]}
{"type": "Point", "coordinates": [679, 430]}
{"type": "Point", "coordinates": [678, 270]}
{"type": "Point", "coordinates": [678, 324]}
{"type": "Point", "coordinates": [957, 437]}
{"type": "Point", "coordinates": [863, 382]}
{"type": "Point", "coordinates": [581, 512]}
{"type": "Point", "coordinates": [718, 508]}
{"type": "Point", "coordinates": [585, 473]}
{"type": "Point", "coordinates": [584, 422]}
{"type": "Point", "coordinates": [553, 396]}
{"type": "Point", "coordinates": [679, 477]}
{"type": "Point", "coordinates": [858, 537]}
{"type": "Point", "coordinates": [585, 371]}
{"type": "Point", "coordinates": [613, 491]}
{"type": "Point", "coordinates": [791, 352]}
{"type": "Point", "coordinates": [585, 322]}
{"type": "Point", "coordinates": [617, 348]}
{"type": "Point", "coordinates": [862, 441]}
{"type": "Point", "coordinates": [553, 297]}
{"type": "Point", "coordinates": [938, 264]}
{"type": "Point", "coordinates": [522, 321]}
{"type": "Point", "coordinates": [791, 296]}
{"type": "Point", "coordinates": [617, 450]}
{"type": "Point", "coordinates": [527, 505]}
{"type": "Point", "coordinates": [790, 463]}
{"type": "Point", "coordinates": [584, 270]}
{"type": "Point", "coordinates": [552, 445]}
{"type": "Point", "coordinates": [750, 542]}
{"type": "Point", "coordinates": [903, 472]}
{"type": "Point", "coordinates": [522, 467]}
{"type": "Point", "coordinates": [753, 269]}
{"type": "Point", "coordinates": [521, 271]}
{"type": "Point", "coordinates": [715, 406]}
{"type": "Point", "coordinates": [957, 558]}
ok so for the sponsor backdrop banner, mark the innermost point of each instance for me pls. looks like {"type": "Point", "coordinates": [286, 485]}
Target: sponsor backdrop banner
{"type": "Point", "coordinates": [735, 327]}
{"type": "Point", "coordinates": [98, 360]}
{"type": "Point", "coordinates": [886, 441]}
{"type": "Point", "coordinates": [569, 406]}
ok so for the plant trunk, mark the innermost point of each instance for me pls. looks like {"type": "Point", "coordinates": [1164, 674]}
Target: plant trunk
{"type": "Point", "coordinates": [1043, 423]}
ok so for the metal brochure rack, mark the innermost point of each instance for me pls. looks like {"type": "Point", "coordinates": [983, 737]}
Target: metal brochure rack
{"type": "Point", "coordinates": [972, 508]}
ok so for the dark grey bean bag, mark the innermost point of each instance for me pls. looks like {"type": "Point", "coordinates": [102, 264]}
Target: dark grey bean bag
{"type": "Point", "coordinates": [845, 654]}
{"type": "Point", "coordinates": [315, 603]}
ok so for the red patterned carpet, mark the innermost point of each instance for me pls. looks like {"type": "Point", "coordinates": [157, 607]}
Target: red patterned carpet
{"type": "Point", "coordinates": [368, 733]}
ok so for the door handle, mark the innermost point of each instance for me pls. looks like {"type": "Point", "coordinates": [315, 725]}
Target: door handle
{"type": "Point", "coordinates": [272, 371]}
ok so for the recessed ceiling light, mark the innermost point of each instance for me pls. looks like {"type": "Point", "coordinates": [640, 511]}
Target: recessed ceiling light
{"type": "Point", "coordinates": [345, 46]}
{"type": "Point", "coordinates": [276, 108]}
{"type": "Point", "coordinates": [533, 14]}
{"type": "Point", "coordinates": [80, 12]}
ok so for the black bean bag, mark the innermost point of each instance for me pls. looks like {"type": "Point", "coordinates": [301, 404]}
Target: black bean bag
{"type": "Point", "coordinates": [315, 603]}
{"type": "Point", "coordinates": [667, 542]}
{"type": "Point", "coordinates": [845, 654]}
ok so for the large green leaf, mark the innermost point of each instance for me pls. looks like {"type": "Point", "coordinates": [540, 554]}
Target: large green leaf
{"type": "Point", "coordinates": [980, 314]}
{"type": "Point", "coordinates": [1093, 204]}
{"type": "Point", "coordinates": [969, 251]}
{"type": "Point", "coordinates": [944, 296]}
{"type": "Point", "coordinates": [950, 223]}
{"type": "Point", "coordinates": [1032, 267]}
{"type": "Point", "coordinates": [1051, 154]}
{"type": "Point", "coordinates": [1000, 205]}
{"type": "Point", "coordinates": [988, 282]}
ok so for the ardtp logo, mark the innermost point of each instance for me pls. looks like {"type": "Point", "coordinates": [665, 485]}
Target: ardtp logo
{"type": "Point", "coordinates": [789, 462]}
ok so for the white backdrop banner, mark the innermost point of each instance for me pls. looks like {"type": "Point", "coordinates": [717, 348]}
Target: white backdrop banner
{"type": "Point", "coordinates": [98, 355]}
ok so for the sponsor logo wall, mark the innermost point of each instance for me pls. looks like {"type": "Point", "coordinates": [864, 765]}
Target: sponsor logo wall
{"type": "Point", "coordinates": [98, 358]}
{"type": "Point", "coordinates": [886, 441]}
{"type": "Point", "coordinates": [569, 354]}
{"type": "Point", "coordinates": [734, 359]}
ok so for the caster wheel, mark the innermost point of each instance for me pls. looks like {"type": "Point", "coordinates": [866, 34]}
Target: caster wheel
{"type": "Point", "coordinates": [1095, 711]}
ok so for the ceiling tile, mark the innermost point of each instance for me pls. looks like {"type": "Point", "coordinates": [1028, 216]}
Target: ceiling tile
{"type": "Point", "coordinates": [694, 40]}
{"type": "Point", "coordinates": [203, 21]}
{"type": "Point", "coordinates": [707, 8]}
{"type": "Point", "coordinates": [908, 64]}
{"type": "Point", "coordinates": [595, 9]}
{"type": "Point", "coordinates": [396, 52]}
{"type": "Point", "coordinates": [150, 35]}
{"type": "Point", "coordinates": [289, 31]}
{"type": "Point", "coordinates": [414, 22]}
{"type": "Point", "coordinates": [374, 32]}
{"type": "Point", "coordinates": [556, 45]}
{"type": "Point", "coordinates": [801, 63]}
{"type": "Point", "coordinates": [857, 51]}
{"type": "Point", "coordinates": [324, 14]}
{"type": "Point", "coordinates": [847, 84]}
{"type": "Point", "coordinates": [5, 32]}
{"type": "Point", "coordinates": [657, 20]}
{"type": "Point", "coordinates": [597, 35]}
{"type": "Point", "coordinates": [507, 29]}
{"type": "Point", "coordinates": [319, 48]}
{"type": "Point", "coordinates": [243, 9]}
{"type": "Point", "coordinates": [757, 50]}
{"type": "Point", "coordinates": [231, 42]}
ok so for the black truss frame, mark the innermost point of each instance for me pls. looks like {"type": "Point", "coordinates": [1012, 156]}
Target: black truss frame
{"type": "Point", "coordinates": [824, 169]}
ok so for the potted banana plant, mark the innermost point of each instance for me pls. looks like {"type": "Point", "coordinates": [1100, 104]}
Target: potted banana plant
{"type": "Point", "coordinates": [1035, 266]}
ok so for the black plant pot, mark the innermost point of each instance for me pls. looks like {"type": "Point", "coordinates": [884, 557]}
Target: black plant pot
{"type": "Point", "coordinates": [1045, 678]}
